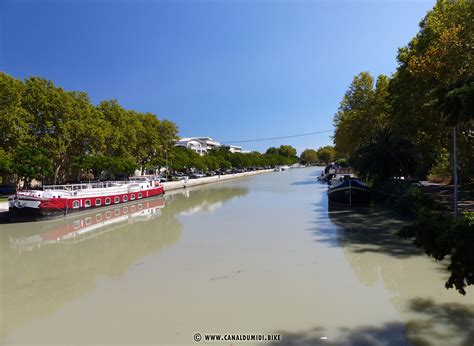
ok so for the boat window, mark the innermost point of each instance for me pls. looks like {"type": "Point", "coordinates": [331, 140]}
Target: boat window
{"type": "Point", "coordinates": [87, 203]}
{"type": "Point", "coordinates": [75, 204]}
{"type": "Point", "coordinates": [107, 200]}
{"type": "Point", "coordinates": [132, 196]}
{"type": "Point", "coordinates": [116, 199]}
{"type": "Point", "coordinates": [140, 195]}
{"type": "Point", "coordinates": [125, 198]}
{"type": "Point", "coordinates": [98, 202]}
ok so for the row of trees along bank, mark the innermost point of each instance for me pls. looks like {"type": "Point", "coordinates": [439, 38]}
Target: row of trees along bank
{"type": "Point", "coordinates": [53, 135]}
{"type": "Point", "coordinates": [403, 126]}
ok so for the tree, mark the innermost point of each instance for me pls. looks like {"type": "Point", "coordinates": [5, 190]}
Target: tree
{"type": "Point", "coordinates": [326, 154]}
{"type": "Point", "coordinates": [309, 156]}
{"type": "Point", "coordinates": [14, 120]}
{"type": "Point", "coordinates": [363, 110]}
{"type": "Point", "coordinates": [438, 56]}
{"type": "Point", "coordinates": [385, 156]}
{"type": "Point", "coordinates": [272, 151]}
{"type": "Point", "coordinates": [5, 164]}
{"type": "Point", "coordinates": [32, 163]}
{"type": "Point", "coordinates": [287, 151]}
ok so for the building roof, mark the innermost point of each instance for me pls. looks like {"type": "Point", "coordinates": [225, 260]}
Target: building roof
{"type": "Point", "coordinates": [207, 140]}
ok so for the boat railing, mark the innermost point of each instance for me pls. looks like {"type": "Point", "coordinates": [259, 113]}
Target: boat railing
{"type": "Point", "coordinates": [75, 187]}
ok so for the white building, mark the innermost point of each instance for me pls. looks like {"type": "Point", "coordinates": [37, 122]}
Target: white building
{"type": "Point", "coordinates": [202, 145]}
{"type": "Point", "coordinates": [198, 144]}
{"type": "Point", "coordinates": [235, 149]}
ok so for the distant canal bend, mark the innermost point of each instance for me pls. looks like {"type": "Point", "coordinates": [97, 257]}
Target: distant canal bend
{"type": "Point", "coordinates": [257, 255]}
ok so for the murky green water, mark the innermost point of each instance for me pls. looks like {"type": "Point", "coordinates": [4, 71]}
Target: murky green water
{"type": "Point", "coordinates": [257, 255]}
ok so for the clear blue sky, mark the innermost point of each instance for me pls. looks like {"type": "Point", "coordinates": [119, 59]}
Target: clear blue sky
{"type": "Point", "coordinates": [228, 69]}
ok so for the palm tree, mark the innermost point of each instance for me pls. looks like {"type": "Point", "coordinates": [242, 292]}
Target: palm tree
{"type": "Point", "coordinates": [385, 156]}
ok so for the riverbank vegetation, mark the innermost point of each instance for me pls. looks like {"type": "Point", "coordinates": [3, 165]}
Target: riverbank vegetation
{"type": "Point", "coordinates": [403, 126]}
{"type": "Point", "coordinates": [56, 136]}
{"type": "Point", "coordinates": [431, 92]}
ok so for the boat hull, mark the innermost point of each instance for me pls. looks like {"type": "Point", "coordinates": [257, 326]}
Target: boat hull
{"type": "Point", "coordinates": [34, 210]}
{"type": "Point", "coordinates": [349, 193]}
{"type": "Point", "coordinates": [16, 214]}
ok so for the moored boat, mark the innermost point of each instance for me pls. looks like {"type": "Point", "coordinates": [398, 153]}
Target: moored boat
{"type": "Point", "coordinates": [60, 200]}
{"type": "Point", "coordinates": [281, 168]}
{"type": "Point", "coordinates": [349, 192]}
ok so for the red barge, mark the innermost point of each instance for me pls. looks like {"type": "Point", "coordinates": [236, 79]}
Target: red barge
{"type": "Point", "coordinates": [61, 200]}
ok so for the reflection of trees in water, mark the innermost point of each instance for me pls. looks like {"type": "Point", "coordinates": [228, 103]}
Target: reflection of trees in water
{"type": "Point", "coordinates": [368, 240]}
{"type": "Point", "coordinates": [203, 197]}
{"type": "Point", "coordinates": [436, 324]}
{"type": "Point", "coordinates": [375, 252]}
{"type": "Point", "coordinates": [38, 282]}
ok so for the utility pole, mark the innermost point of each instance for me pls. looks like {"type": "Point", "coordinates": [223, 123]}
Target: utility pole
{"type": "Point", "coordinates": [455, 175]}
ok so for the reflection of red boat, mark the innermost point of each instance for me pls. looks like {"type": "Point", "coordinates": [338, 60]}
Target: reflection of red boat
{"type": "Point", "coordinates": [60, 200]}
{"type": "Point", "coordinates": [86, 225]}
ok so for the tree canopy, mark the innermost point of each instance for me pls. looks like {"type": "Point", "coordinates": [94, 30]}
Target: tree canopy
{"type": "Point", "coordinates": [64, 127]}
{"type": "Point", "coordinates": [431, 91]}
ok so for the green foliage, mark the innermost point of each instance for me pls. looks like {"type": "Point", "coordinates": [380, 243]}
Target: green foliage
{"type": "Point", "coordinates": [427, 89]}
{"type": "Point", "coordinates": [32, 163]}
{"type": "Point", "coordinates": [211, 162]}
{"type": "Point", "coordinates": [309, 156]}
{"type": "Point", "coordinates": [385, 156]}
{"type": "Point", "coordinates": [5, 162]}
{"type": "Point", "coordinates": [456, 101]}
{"type": "Point", "coordinates": [440, 236]}
{"type": "Point", "coordinates": [432, 90]}
{"type": "Point", "coordinates": [183, 159]}
{"type": "Point", "coordinates": [287, 151]}
{"type": "Point", "coordinates": [469, 217]}
{"type": "Point", "coordinates": [104, 166]}
{"type": "Point", "coordinates": [272, 151]}
{"type": "Point", "coordinates": [441, 170]}
{"type": "Point", "coordinates": [363, 110]}
{"type": "Point", "coordinates": [67, 125]}
{"type": "Point", "coordinates": [403, 197]}
{"type": "Point", "coordinates": [343, 162]}
{"type": "Point", "coordinates": [326, 154]}
{"type": "Point", "coordinates": [13, 118]}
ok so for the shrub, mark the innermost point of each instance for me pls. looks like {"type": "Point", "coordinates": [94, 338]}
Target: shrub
{"type": "Point", "coordinates": [441, 170]}
{"type": "Point", "coordinates": [439, 235]}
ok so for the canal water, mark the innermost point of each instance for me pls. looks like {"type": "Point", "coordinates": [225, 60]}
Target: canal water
{"type": "Point", "coordinates": [259, 255]}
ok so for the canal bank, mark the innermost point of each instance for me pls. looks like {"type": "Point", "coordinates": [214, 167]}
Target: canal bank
{"type": "Point", "coordinates": [181, 184]}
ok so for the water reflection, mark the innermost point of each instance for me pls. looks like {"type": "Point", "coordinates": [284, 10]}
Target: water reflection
{"type": "Point", "coordinates": [431, 314]}
{"type": "Point", "coordinates": [78, 228]}
{"type": "Point", "coordinates": [44, 265]}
